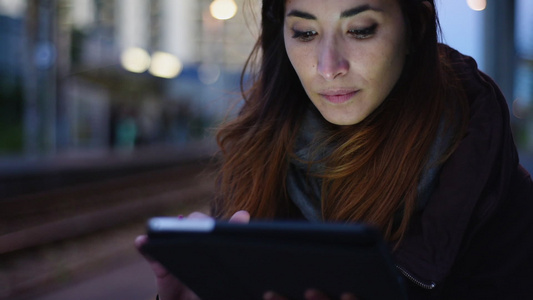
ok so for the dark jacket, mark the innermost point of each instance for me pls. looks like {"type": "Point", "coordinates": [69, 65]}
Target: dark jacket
{"type": "Point", "coordinates": [474, 238]}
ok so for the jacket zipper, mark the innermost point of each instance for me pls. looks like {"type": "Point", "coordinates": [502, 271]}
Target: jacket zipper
{"type": "Point", "coordinates": [428, 286]}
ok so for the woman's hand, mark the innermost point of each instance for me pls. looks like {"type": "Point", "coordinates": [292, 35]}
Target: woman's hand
{"type": "Point", "coordinates": [310, 294]}
{"type": "Point", "coordinates": [168, 286]}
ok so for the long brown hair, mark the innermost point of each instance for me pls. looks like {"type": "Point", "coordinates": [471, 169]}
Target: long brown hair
{"type": "Point", "coordinates": [374, 168]}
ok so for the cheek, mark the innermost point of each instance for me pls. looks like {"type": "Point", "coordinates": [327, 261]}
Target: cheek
{"type": "Point", "coordinates": [382, 64]}
{"type": "Point", "coordinates": [394, 66]}
{"type": "Point", "coordinates": [292, 54]}
{"type": "Point", "coordinates": [301, 61]}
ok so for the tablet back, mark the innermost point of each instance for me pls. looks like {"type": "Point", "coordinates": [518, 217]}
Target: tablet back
{"type": "Point", "coordinates": [221, 260]}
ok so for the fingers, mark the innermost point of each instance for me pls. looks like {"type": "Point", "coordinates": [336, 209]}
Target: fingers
{"type": "Point", "coordinates": [348, 296]}
{"type": "Point", "coordinates": [270, 295]}
{"type": "Point", "coordinates": [140, 241]}
{"type": "Point", "coordinates": [313, 294]}
{"type": "Point", "coordinates": [168, 286]}
{"type": "Point", "coordinates": [241, 216]}
{"type": "Point", "coordinates": [157, 268]}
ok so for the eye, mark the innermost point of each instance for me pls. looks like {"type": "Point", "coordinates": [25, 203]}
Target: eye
{"type": "Point", "coordinates": [364, 33]}
{"type": "Point", "coordinates": [304, 36]}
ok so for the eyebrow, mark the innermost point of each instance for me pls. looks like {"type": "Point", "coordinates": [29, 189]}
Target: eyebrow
{"type": "Point", "coordinates": [357, 10]}
{"type": "Point", "coordinates": [301, 14]}
{"type": "Point", "coordinates": [344, 14]}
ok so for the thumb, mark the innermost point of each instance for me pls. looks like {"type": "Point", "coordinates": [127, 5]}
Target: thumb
{"type": "Point", "coordinates": [241, 216]}
{"type": "Point", "coordinates": [157, 268]}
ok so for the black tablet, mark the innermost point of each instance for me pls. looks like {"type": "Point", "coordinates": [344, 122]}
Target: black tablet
{"type": "Point", "coordinates": [228, 261]}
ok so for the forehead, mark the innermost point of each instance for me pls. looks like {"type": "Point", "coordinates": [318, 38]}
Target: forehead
{"type": "Point", "coordinates": [340, 7]}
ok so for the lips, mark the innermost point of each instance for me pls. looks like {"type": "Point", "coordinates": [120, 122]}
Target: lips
{"type": "Point", "coordinates": [338, 96]}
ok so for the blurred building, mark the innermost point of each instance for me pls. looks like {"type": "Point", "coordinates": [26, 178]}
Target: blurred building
{"type": "Point", "coordinates": [522, 102]}
{"type": "Point", "coordinates": [11, 106]}
{"type": "Point", "coordinates": [92, 74]}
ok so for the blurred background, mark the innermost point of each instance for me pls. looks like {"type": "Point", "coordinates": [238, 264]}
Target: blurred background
{"type": "Point", "coordinates": [107, 114]}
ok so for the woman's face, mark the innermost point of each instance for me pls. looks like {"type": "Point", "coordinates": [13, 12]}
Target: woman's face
{"type": "Point", "coordinates": [348, 54]}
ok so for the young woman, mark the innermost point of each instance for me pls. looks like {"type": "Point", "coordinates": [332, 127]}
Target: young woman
{"type": "Point", "coordinates": [357, 113]}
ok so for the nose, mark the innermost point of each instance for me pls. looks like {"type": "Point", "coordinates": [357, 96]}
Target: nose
{"type": "Point", "coordinates": [331, 61]}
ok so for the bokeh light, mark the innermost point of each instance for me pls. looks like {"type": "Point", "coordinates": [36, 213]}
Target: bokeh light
{"type": "Point", "coordinates": [135, 60]}
{"type": "Point", "coordinates": [223, 9]}
{"type": "Point", "coordinates": [165, 65]}
{"type": "Point", "coordinates": [477, 5]}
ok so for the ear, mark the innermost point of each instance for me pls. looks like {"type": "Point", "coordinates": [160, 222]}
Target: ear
{"type": "Point", "coordinates": [428, 5]}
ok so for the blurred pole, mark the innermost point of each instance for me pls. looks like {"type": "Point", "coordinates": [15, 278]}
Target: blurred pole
{"type": "Point", "coordinates": [500, 49]}
{"type": "Point", "coordinates": [40, 78]}
{"type": "Point", "coordinates": [31, 115]}
{"type": "Point", "coordinates": [63, 42]}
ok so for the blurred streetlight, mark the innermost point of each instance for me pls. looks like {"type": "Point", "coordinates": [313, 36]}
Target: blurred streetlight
{"type": "Point", "coordinates": [223, 9]}
{"type": "Point", "coordinates": [135, 60]}
{"type": "Point", "coordinates": [160, 64]}
{"type": "Point", "coordinates": [165, 65]}
{"type": "Point", "coordinates": [477, 5]}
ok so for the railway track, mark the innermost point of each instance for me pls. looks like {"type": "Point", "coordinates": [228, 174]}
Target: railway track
{"type": "Point", "coordinates": [52, 237]}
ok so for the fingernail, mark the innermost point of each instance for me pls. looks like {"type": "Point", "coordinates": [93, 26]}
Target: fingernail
{"type": "Point", "coordinates": [314, 294]}
{"type": "Point", "coordinates": [348, 296]}
{"type": "Point", "coordinates": [269, 295]}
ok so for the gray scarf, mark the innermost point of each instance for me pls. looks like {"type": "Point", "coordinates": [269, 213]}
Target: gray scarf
{"type": "Point", "coordinates": [305, 190]}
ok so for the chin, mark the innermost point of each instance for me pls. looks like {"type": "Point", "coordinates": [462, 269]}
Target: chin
{"type": "Point", "coordinates": [342, 121]}
{"type": "Point", "coordinates": [341, 115]}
